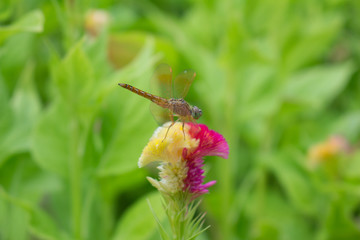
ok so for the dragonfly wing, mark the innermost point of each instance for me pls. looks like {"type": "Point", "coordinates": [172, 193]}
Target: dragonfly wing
{"type": "Point", "coordinates": [183, 82]}
{"type": "Point", "coordinates": [161, 115]}
{"type": "Point", "coordinates": [161, 81]}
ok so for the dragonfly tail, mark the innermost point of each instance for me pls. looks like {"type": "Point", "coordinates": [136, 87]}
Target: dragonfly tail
{"type": "Point", "coordinates": [162, 102]}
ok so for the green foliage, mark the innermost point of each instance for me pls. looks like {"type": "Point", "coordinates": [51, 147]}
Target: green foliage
{"type": "Point", "coordinates": [274, 77]}
{"type": "Point", "coordinates": [181, 212]}
{"type": "Point", "coordinates": [31, 22]}
{"type": "Point", "coordinates": [131, 226]}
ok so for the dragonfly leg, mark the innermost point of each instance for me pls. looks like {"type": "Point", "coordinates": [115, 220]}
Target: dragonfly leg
{"type": "Point", "coordinates": [183, 128]}
{"type": "Point", "coordinates": [168, 130]}
{"type": "Point", "coordinates": [172, 123]}
{"type": "Point", "coordinates": [171, 117]}
{"type": "Point", "coordinates": [183, 120]}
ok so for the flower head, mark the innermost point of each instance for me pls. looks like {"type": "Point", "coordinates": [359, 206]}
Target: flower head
{"type": "Point", "coordinates": [329, 149]}
{"type": "Point", "coordinates": [330, 156]}
{"type": "Point", "coordinates": [96, 21]}
{"type": "Point", "coordinates": [181, 154]}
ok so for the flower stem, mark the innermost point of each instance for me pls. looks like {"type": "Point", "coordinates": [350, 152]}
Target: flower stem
{"type": "Point", "coordinates": [181, 213]}
{"type": "Point", "coordinates": [74, 174]}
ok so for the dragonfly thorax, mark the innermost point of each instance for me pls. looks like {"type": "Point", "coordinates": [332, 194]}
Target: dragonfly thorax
{"type": "Point", "coordinates": [182, 109]}
{"type": "Point", "coordinates": [179, 107]}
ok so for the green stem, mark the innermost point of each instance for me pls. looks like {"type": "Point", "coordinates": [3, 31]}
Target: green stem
{"type": "Point", "coordinates": [227, 166]}
{"type": "Point", "coordinates": [181, 212]}
{"type": "Point", "coordinates": [75, 178]}
{"type": "Point", "coordinates": [73, 25]}
{"type": "Point", "coordinates": [175, 207]}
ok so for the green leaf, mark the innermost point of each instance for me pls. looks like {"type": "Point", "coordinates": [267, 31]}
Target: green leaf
{"type": "Point", "coordinates": [75, 81]}
{"type": "Point", "coordinates": [275, 218]}
{"type": "Point", "coordinates": [14, 222]}
{"type": "Point", "coordinates": [25, 101]}
{"type": "Point", "coordinates": [31, 22]}
{"type": "Point", "coordinates": [6, 119]}
{"type": "Point", "coordinates": [51, 139]}
{"type": "Point", "coordinates": [43, 226]}
{"type": "Point", "coordinates": [161, 229]}
{"type": "Point", "coordinates": [23, 218]}
{"type": "Point", "coordinates": [352, 167]}
{"type": "Point", "coordinates": [339, 222]}
{"type": "Point", "coordinates": [296, 182]}
{"type": "Point", "coordinates": [261, 96]}
{"type": "Point", "coordinates": [21, 113]}
{"type": "Point", "coordinates": [348, 125]}
{"type": "Point", "coordinates": [138, 222]}
{"type": "Point", "coordinates": [312, 41]}
{"type": "Point", "coordinates": [317, 86]}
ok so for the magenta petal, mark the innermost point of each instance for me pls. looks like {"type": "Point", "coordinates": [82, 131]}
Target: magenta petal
{"type": "Point", "coordinates": [211, 143]}
{"type": "Point", "coordinates": [209, 184]}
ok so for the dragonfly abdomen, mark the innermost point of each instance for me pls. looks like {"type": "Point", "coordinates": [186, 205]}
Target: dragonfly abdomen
{"type": "Point", "coordinates": [157, 100]}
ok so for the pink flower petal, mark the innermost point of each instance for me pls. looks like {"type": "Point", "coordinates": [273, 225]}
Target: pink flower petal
{"type": "Point", "coordinates": [211, 143]}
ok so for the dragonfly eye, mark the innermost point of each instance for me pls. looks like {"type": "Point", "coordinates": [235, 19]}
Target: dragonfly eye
{"type": "Point", "coordinates": [196, 112]}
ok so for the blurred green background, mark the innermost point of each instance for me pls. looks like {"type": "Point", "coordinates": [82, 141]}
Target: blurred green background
{"type": "Point", "coordinates": [275, 77]}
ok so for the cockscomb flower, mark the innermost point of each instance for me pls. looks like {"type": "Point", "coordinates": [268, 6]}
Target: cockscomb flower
{"type": "Point", "coordinates": [95, 21]}
{"type": "Point", "coordinates": [181, 154]}
{"type": "Point", "coordinates": [328, 150]}
{"type": "Point", "coordinates": [330, 156]}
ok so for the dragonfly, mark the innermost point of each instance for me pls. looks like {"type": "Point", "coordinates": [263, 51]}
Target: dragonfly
{"type": "Point", "coordinates": [169, 103]}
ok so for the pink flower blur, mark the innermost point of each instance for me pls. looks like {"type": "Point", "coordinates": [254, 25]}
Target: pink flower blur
{"type": "Point", "coordinates": [211, 143]}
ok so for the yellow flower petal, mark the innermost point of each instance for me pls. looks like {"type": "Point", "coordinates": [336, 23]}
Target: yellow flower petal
{"type": "Point", "coordinates": [167, 149]}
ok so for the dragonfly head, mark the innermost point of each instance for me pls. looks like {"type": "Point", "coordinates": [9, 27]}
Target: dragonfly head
{"type": "Point", "coordinates": [196, 112]}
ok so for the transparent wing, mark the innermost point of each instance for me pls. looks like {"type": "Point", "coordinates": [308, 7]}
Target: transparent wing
{"type": "Point", "coordinates": [161, 115]}
{"type": "Point", "coordinates": [161, 82]}
{"type": "Point", "coordinates": [183, 82]}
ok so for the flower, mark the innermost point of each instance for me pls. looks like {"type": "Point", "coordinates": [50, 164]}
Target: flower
{"type": "Point", "coordinates": [329, 149]}
{"type": "Point", "coordinates": [95, 21]}
{"type": "Point", "coordinates": [180, 152]}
